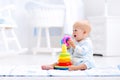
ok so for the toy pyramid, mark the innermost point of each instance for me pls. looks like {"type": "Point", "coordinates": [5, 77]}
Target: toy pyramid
{"type": "Point", "coordinates": [64, 59]}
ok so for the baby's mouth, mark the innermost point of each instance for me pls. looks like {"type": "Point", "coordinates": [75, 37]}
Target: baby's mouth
{"type": "Point", "coordinates": [74, 35]}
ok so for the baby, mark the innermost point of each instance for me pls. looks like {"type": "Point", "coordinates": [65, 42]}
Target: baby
{"type": "Point", "coordinates": [80, 48]}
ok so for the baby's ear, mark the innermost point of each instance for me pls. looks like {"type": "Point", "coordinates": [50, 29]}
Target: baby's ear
{"type": "Point", "coordinates": [85, 33]}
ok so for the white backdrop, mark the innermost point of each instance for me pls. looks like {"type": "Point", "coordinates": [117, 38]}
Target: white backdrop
{"type": "Point", "coordinates": [74, 12]}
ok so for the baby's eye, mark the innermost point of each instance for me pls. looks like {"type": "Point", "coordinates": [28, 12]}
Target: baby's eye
{"type": "Point", "coordinates": [75, 30]}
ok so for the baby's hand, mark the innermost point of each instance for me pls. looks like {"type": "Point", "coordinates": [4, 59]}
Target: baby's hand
{"type": "Point", "coordinates": [47, 67]}
{"type": "Point", "coordinates": [71, 43]}
{"type": "Point", "coordinates": [68, 47]}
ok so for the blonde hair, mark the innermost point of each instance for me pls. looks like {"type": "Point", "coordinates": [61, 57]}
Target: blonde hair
{"type": "Point", "coordinates": [83, 24]}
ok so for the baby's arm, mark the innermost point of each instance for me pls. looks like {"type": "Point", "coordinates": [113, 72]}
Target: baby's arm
{"type": "Point", "coordinates": [48, 67]}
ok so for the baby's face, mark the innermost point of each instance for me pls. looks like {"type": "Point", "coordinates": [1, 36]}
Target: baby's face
{"type": "Point", "coordinates": [78, 33]}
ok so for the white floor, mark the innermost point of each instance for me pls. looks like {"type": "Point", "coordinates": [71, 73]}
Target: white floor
{"type": "Point", "coordinates": [46, 58]}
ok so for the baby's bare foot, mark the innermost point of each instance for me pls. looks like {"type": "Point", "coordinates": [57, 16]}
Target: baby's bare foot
{"type": "Point", "coordinates": [47, 67]}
